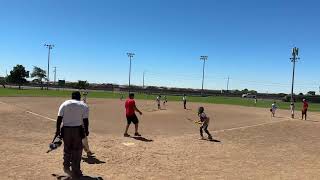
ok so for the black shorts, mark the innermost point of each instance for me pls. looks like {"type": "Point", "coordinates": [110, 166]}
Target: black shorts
{"type": "Point", "coordinates": [133, 119]}
{"type": "Point", "coordinates": [304, 111]}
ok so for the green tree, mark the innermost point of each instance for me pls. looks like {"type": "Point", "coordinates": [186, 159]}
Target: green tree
{"type": "Point", "coordinates": [39, 74]}
{"type": "Point", "coordinates": [312, 93]}
{"type": "Point", "coordinates": [18, 75]}
{"type": "Point", "coordinates": [3, 81]}
{"type": "Point", "coordinates": [83, 85]}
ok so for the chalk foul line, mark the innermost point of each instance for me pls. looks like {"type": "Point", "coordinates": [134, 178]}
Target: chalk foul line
{"type": "Point", "coordinates": [30, 112]}
{"type": "Point", "coordinates": [39, 115]}
{"type": "Point", "coordinates": [250, 126]}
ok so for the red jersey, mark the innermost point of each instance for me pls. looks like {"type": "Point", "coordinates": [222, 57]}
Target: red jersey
{"type": "Point", "coordinates": [305, 105]}
{"type": "Point", "coordinates": [130, 104]}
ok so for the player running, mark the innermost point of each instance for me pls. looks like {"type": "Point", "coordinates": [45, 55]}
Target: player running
{"type": "Point", "coordinates": [131, 107]}
{"type": "Point", "coordinates": [165, 100]}
{"type": "Point", "coordinates": [204, 121]}
{"type": "Point", "coordinates": [184, 99]}
{"type": "Point", "coordinates": [85, 94]}
{"type": "Point", "coordinates": [273, 109]}
{"type": "Point", "coordinates": [304, 109]}
{"type": "Point", "coordinates": [85, 141]}
{"type": "Point", "coordinates": [292, 107]}
{"type": "Point", "coordinates": [158, 101]}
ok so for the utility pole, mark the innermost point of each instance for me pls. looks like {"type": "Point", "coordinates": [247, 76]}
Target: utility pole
{"type": "Point", "coordinates": [204, 58]}
{"type": "Point", "coordinates": [143, 79]}
{"type": "Point", "coordinates": [55, 75]}
{"type": "Point", "coordinates": [130, 55]}
{"type": "Point", "coordinates": [49, 46]}
{"type": "Point", "coordinates": [294, 59]}
{"type": "Point", "coordinates": [228, 84]}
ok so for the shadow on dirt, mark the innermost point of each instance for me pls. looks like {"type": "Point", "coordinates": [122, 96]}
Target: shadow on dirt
{"type": "Point", "coordinates": [92, 160]}
{"type": "Point", "coordinates": [142, 139]}
{"type": "Point", "coordinates": [64, 177]}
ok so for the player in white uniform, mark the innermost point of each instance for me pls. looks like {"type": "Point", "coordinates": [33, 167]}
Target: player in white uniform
{"type": "Point", "coordinates": [273, 109]}
{"type": "Point", "coordinates": [85, 141]}
{"type": "Point", "coordinates": [158, 101]}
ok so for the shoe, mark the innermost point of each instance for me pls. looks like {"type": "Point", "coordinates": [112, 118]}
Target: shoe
{"type": "Point", "coordinates": [126, 135]}
{"type": "Point", "coordinates": [67, 171]}
{"type": "Point", "coordinates": [90, 153]}
{"type": "Point", "coordinates": [77, 175]}
{"type": "Point", "coordinates": [210, 137]}
{"type": "Point", "coordinates": [137, 134]}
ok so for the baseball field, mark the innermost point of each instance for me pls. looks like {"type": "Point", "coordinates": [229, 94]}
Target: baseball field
{"type": "Point", "coordinates": [248, 142]}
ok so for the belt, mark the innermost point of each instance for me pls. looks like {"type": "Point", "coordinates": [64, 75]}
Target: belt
{"type": "Point", "coordinates": [72, 127]}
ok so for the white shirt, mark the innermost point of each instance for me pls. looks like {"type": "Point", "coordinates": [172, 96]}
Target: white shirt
{"type": "Point", "coordinates": [73, 112]}
{"type": "Point", "coordinates": [184, 98]}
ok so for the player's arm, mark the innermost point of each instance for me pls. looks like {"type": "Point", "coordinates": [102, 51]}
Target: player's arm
{"type": "Point", "coordinates": [86, 126]}
{"type": "Point", "coordinates": [86, 120]}
{"type": "Point", "coordinates": [58, 125]}
{"type": "Point", "coordinates": [136, 109]}
{"type": "Point", "coordinates": [59, 119]}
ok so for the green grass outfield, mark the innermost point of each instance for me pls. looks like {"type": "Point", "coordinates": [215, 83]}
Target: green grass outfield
{"type": "Point", "coordinates": [104, 94]}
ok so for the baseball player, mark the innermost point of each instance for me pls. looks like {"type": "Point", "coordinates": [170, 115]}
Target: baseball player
{"type": "Point", "coordinates": [74, 116]}
{"type": "Point", "coordinates": [131, 107]}
{"type": "Point", "coordinates": [305, 107]}
{"type": "Point", "coordinates": [158, 101]}
{"type": "Point", "coordinates": [204, 121]}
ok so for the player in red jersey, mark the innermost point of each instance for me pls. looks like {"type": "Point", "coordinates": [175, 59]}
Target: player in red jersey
{"type": "Point", "coordinates": [304, 109]}
{"type": "Point", "coordinates": [131, 108]}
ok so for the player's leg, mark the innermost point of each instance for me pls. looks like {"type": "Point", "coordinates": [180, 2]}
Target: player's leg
{"type": "Point", "coordinates": [127, 127]}
{"type": "Point", "coordinates": [86, 147]}
{"type": "Point", "coordinates": [206, 130]}
{"type": "Point", "coordinates": [67, 150]}
{"type": "Point", "coordinates": [305, 115]}
{"type": "Point", "coordinates": [76, 152]}
{"type": "Point", "coordinates": [135, 121]}
{"type": "Point", "coordinates": [201, 132]}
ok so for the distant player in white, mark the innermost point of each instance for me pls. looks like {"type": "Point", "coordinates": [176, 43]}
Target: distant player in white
{"type": "Point", "coordinates": [184, 99]}
{"type": "Point", "coordinates": [85, 94]}
{"type": "Point", "coordinates": [292, 107]}
{"type": "Point", "coordinates": [158, 101]}
{"type": "Point", "coordinates": [273, 109]}
{"type": "Point", "coordinates": [165, 100]}
{"type": "Point", "coordinates": [85, 141]}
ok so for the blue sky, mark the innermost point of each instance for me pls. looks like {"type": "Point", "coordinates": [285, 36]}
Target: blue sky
{"type": "Point", "coordinates": [248, 40]}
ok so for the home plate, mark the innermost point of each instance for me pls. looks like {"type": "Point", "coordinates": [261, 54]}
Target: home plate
{"type": "Point", "coordinates": [128, 144]}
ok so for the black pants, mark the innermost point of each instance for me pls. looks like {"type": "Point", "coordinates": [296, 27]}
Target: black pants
{"type": "Point", "coordinates": [72, 138]}
{"type": "Point", "coordinates": [185, 104]}
{"type": "Point", "coordinates": [205, 128]}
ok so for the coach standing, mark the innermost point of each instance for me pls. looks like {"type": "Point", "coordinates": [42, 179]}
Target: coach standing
{"type": "Point", "coordinates": [71, 114]}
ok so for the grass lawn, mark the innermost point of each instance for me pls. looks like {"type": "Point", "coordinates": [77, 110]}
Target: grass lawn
{"type": "Point", "coordinates": [104, 94]}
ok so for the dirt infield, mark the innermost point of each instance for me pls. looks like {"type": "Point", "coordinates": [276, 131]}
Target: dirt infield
{"type": "Point", "coordinates": [252, 144]}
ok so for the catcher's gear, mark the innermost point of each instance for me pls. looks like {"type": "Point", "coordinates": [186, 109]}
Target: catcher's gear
{"type": "Point", "coordinates": [56, 142]}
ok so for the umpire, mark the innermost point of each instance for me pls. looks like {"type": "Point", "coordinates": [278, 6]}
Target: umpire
{"type": "Point", "coordinates": [71, 114]}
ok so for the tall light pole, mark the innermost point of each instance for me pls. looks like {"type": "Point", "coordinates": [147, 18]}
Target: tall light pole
{"type": "Point", "coordinates": [55, 75]}
{"type": "Point", "coordinates": [144, 72]}
{"type": "Point", "coordinates": [49, 46]}
{"type": "Point", "coordinates": [204, 58]}
{"type": "Point", "coordinates": [228, 84]}
{"type": "Point", "coordinates": [294, 59]}
{"type": "Point", "coordinates": [130, 55]}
